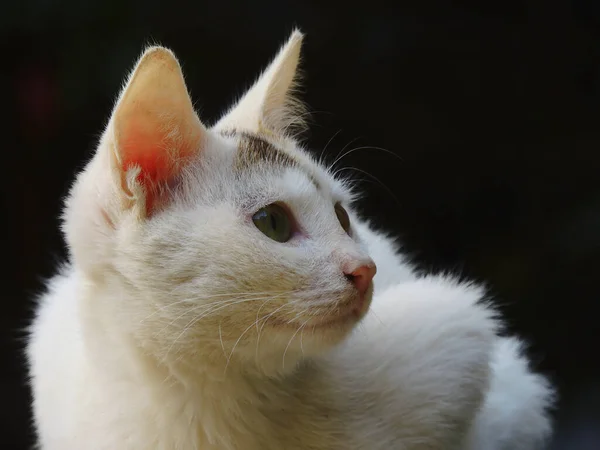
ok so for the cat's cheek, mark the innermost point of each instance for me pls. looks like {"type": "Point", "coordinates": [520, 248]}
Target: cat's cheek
{"type": "Point", "coordinates": [107, 220]}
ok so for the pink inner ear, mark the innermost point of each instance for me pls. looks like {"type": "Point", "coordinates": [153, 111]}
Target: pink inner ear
{"type": "Point", "coordinates": [146, 151]}
{"type": "Point", "coordinates": [158, 153]}
{"type": "Point", "coordinates": [156, 127]}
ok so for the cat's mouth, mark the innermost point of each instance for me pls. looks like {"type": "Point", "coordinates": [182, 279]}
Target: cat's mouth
{"type": "Point", "coordinates": [341, 317]}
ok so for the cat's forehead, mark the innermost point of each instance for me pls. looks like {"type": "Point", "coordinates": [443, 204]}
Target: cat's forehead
{"type": "Point", "coordinates": [259, 150]}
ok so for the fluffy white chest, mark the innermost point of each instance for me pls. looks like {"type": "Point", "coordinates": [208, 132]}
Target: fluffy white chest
{"type": "Point", "coordinates": [412, 376]}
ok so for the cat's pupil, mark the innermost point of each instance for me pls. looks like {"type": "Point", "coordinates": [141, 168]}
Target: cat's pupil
{"type": "Point", "coordinates": [274, 222]}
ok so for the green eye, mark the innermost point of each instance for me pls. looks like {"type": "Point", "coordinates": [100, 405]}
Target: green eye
{"type": "Point", "coordinates": [342, 216]}
{"type": "Point", "coordinates": [274, 222]}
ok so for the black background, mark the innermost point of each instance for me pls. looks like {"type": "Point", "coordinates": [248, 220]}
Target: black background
{"type": "Point", "coordinates": [491, 108]}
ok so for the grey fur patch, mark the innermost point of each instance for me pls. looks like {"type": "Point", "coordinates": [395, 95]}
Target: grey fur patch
{"type": "Point", "coordinates": [255, 150]}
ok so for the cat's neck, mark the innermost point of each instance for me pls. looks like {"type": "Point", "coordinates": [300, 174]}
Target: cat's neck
{"type": "Point", "coordinates": [213, 397]}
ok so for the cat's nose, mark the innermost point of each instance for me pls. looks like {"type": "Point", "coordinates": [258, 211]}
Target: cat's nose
{"type": "Point", "coordinates": [362, 276]}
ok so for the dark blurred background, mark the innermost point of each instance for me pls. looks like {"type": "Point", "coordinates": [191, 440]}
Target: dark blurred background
{"type": "Point", "coordinates": [491, 108]}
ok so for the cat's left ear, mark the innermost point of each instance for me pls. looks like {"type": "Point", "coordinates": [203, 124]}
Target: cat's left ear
{"type": "Point", "coordinates": [269, 105]}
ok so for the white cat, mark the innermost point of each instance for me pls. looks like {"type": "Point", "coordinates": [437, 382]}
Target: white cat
{"type": "Point", "coordinates": [218, 297]}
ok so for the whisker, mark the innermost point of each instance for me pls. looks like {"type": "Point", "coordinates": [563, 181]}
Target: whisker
{"type": "Point", "coordinates": [221, 339]}
{"type": "Point", "coordinates": [298, 314]}
{"type": "Point", "coordinates": [389, 191]}
{"type": "Point", "coordinates": [337, 158]}
{"type": "Point", "coordinates": [203, 315]}
{"type": "Point", "coordinates": [288, 346]}
{"type": "Point", "coordinates": [258, 312]}
{"type": "Point", "coordinates": [377, 317]}
{"type": "Point", "coordinates": [243, 333]}
{"type": "Point", "coordinates": [257, 329]}
{"type": "Point", "coordinates": [264, 321]}
{"type": "Point", "coordinates": [270, 315]}
{"type": "Point", "coordinates": [301, 337]}
{"type": "Point", "coordinates": [208, 306]}
{"type": "Point", "coordinates": [204, 298]}
{"type": "Point", "coordinates": [367, 147]}
{"type": "Point", "coordinates": [202, 307]}
{"type": "Point", "coordinates": [320, 160]}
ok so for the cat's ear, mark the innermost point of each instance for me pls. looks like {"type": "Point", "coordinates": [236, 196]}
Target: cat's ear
{"type": "Point", "coordinates": [155, 128]}
{"type": "Point", "coordinates": [269, 105]}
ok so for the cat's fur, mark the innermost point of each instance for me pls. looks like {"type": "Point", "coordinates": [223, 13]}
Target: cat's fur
{"type": "Point", "coordinates": [169, 327]}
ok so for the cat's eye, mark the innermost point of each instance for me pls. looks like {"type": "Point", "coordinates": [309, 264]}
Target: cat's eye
{"type": "Point", "coordinates": [274, 221]}
{"type": "Point", "coordinates": [342, 216]}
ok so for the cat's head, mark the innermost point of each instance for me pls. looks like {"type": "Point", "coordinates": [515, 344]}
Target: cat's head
{"type": "Point", "coordinates": [221, 242]}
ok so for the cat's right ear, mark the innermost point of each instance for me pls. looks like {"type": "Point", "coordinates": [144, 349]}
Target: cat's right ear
{"type": "Point", "coordinates": [155, 130]}
{"type": "Point", "coordinates": [270, 104]}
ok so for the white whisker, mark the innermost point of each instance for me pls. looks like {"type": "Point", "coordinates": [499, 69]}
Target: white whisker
{"type": "Point", "coordinates": [327, 145]}
{"type": "Point", "coordinates": [222, 345]}
{"type": "Point", "coordinates": [389, 191]}
{"type": "Point", "coordinates": [243, 333]}
{"type": "Point", "coordinates": [339, 159]}
{"type": "Point", "coordinates": [341, 152]}
{"type": "Point", "coordinates": [236, 295]}
{"type": "Point", "coordinates": [203, 315]}
{"type": "Point", "coordinates": [290, 341]}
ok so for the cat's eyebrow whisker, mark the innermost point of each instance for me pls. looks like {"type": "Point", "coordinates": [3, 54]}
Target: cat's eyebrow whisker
{"type": "Point", "coordinates": [389, 191]}
{"type": "Point", "coordinates": [299, 119]}
{"type": "Point", "coordinates": [368, 147]}
{"type": "Point", "coordinates": [327, 145]}
{"type": "Point", "coordinates": [337, 158]}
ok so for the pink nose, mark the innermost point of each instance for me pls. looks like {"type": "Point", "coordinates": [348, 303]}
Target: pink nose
{"type": "Point", "coordinates": [362, 277]}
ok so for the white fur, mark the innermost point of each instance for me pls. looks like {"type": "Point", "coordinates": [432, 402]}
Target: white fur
{"type": "Point", "coordinates": [169, 331]}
